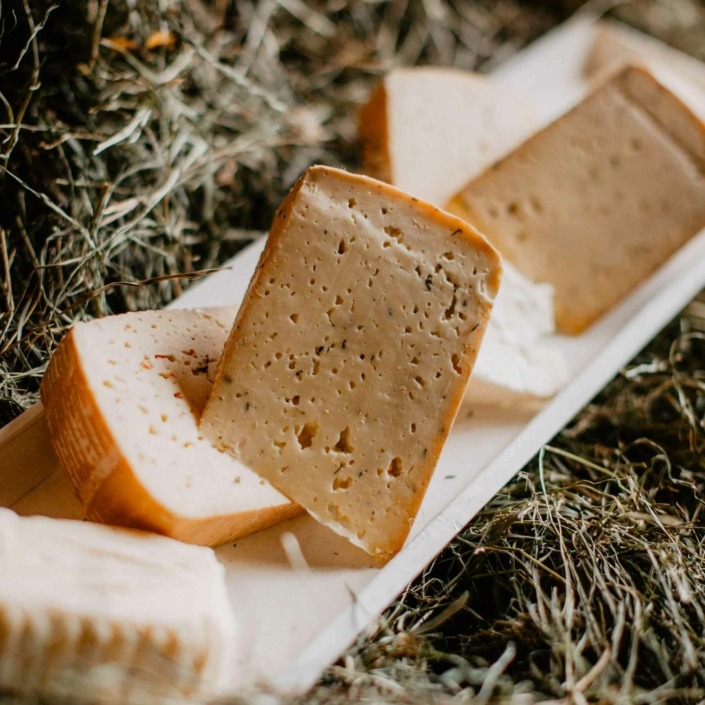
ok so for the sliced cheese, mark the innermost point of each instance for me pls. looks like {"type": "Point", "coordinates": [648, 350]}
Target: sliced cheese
{"type": "Point", "coordinates": [123, 396]}
{"type": "Point", "coordinates": [429, 130]}
{"type": "Point", "coordinates": [516, 360]}
{"type": "Point", "coordinates": [351, 352]}
{"type": "Point", "coordinates": [599, 199]}
{"type": "Point", "coordinates": [103, 615]}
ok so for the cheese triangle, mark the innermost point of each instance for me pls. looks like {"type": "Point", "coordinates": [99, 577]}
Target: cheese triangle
{"type": "Point", "coordinates": [350, 354]}
{"type": "Point", "coordinates": [429, 130]}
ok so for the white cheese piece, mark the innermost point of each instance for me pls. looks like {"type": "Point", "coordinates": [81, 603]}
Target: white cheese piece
{"type": "Point", "coordinates": [515, 361]}
{"type": "Point", "coordinates": [430, 130]}
{"type": "Point", "coordinates": [595, 202]}
{"type": "Point", "coordinates": [351, 352]}
{"type": "Point", "coordinates": [123, 396]}
{"type": "Point", "coordinates": [91, 613]}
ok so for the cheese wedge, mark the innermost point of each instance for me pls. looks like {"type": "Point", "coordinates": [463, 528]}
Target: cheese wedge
{"type": "Point", "coordinates": [123, 396]}
{"type": "Point", "coordinates": [598, 200]}
{"type": "Point", "coordinates": [91, 613]}
{"type": "Point", "coordinates": [430, 130]}
{"type": "Point", "coordinates": [351, 352]}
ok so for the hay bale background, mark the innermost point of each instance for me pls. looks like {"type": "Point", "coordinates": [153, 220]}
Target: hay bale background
{"type": "Point", "coordinates": [144, 141]}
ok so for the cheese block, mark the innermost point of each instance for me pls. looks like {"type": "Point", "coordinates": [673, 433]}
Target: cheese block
{"type": "Point", "coordinates": [516, 363]}
{"type": "Point", "coordinates": [92, 613]}
{"type": "Point", "coordinates": [595, 202]}
{"type": "Point", "coordinates": [429, 130]}
{"type": "Point", "coordinates": [123, 395]}
{"type": "Point", "coordinates": [351, 352]}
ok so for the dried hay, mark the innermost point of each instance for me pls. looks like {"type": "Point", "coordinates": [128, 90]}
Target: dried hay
{"type": "Point", "coordinates": [142, 141]}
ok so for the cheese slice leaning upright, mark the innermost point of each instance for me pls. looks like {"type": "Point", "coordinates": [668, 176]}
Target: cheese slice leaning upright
{"type": "Point", "coordinates": [123, 395]}
{"type": "Point", "coordinates": [350, 354]}
{"type": "Point", "coordinates": [94, 614]}
{"type": "Point", "coordinates": [595, 202]}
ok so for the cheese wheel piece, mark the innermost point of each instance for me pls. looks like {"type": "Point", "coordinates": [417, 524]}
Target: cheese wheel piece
{"type": "Point", "coordinates": [595, 202]}
{"type": "Point", "coordinates": [429, 130]}
{"type": "Point", "coordinates": [123, 395]}
{"type": "Point", "coordinates": [92, 613]}
{"type": "Point", "coordinates": [351, 352]}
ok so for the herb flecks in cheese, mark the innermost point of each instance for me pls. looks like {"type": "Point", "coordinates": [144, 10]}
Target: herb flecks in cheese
{"type": "Point", "coordinates": [350, 354]}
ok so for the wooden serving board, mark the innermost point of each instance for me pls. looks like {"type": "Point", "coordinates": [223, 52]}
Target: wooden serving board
{"type": "Point", "coordinates": [299, 592]}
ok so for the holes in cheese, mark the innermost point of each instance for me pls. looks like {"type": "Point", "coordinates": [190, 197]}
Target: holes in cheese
{"type": "Point", "coordinates": [384, 361]}
{"type": "Point", "coordinates": [91, 613]}
{"type": "Point", "coordinates": [123, 396]}
{"type": "Point", "coordinates": [595, 202]}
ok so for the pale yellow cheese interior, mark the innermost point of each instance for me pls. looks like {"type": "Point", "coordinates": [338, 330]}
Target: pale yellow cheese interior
{"type": "Point", "coordinates": [351, 352]}
{"type": "Point", "coordinates": [428, 130]}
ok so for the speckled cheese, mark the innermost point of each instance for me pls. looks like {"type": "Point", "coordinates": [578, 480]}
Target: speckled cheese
{"type": "Point", "coordinates": [599, 199]}
{"type": "Point", "coordinates": [429, 130]}
{"type": "Point", "coordinates": [351, 352]}
{"type": "Point", "coordinates": [123, 396]}
{"type": "Point", "coordinates": [92, 613]}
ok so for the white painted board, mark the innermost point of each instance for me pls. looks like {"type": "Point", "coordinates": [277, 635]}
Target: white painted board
{"type": "Point", "coordinates": [300, 601]}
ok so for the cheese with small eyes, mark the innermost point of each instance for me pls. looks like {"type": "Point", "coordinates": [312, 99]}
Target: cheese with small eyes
{"type": "Point", "coordinates": [123, 395]}
{"type": "Point", "coordinates": [350, 354]}
{"type": "Point", "coordinates": [596, 201]}
{"type": "Point", "coordinates": [90, 613]}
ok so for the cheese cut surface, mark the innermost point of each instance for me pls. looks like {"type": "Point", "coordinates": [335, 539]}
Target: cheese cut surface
{"type": "Point", "coordinates": [91, 613]}
{"type": "Point", "coordinates": [123, 396]}
{"type": "Point", "coordinates": [351, 352]}
{"type": "Point", "coordinates": [599, 199]}
{"type": "Point", "coordinates": [429, 130]}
